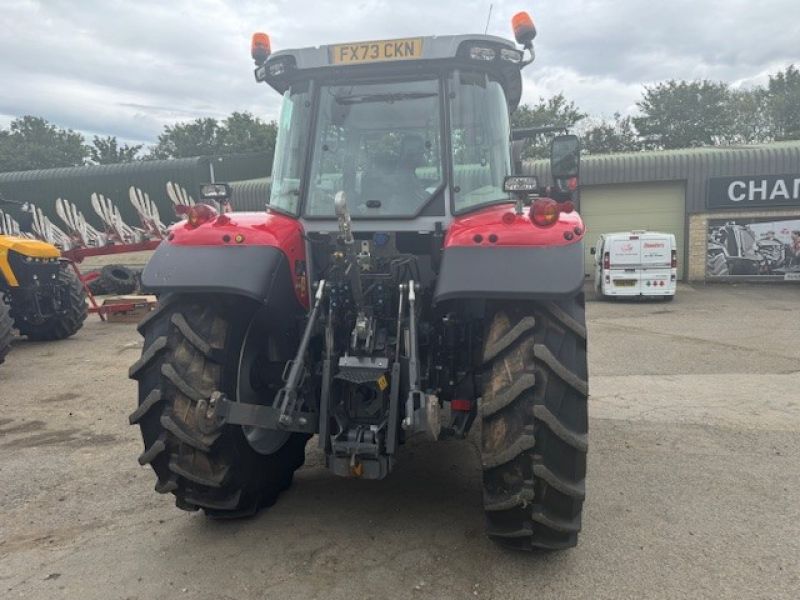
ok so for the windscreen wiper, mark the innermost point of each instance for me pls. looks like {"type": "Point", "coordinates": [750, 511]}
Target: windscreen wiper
{"type": "Point", "coordinates": [362, 98]}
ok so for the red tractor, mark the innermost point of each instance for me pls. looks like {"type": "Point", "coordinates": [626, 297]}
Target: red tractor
{"type": "Point", "coordinates": [400, 282]}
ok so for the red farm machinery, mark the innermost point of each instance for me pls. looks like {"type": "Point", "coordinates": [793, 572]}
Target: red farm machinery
{"type": "Point", "coordinates": [405, 279]}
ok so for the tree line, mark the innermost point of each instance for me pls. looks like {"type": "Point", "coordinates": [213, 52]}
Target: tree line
{"type": "Point", "coordinates": [671, 114]}
{"type": "Point", "coordinates": [679, 114]}
{"type": "Point", "coordinates": [34, 143]}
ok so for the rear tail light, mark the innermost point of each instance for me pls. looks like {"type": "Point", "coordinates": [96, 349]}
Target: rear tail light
{"type": "Point", "coordinates": [606, 261]}
{"type": "Point", "coordinates": [198, 214]}
{"type": "Point", "coordinates": [674, 259]}
{"type": "Point", "coordinates": [545, 211]}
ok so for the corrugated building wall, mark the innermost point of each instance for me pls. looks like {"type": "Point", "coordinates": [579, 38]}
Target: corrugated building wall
{"type": "Point", "coordinates": [250, 194]}
{"type": "Point", "coordinates": [693, 165]}
{"type": "Point", "coordinates": [627, 191]}
{"type": "Point", "coordinates": [76, 184]}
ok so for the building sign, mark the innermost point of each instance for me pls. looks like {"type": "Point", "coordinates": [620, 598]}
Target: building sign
{"type": "Point", "coordinates": [754, 247]}
{"type": "Point", "coordinates": [752, 193]}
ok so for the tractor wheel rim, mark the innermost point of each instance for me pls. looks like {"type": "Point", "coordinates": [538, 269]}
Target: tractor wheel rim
{"type": "Point", "coordinates": [256, 341]}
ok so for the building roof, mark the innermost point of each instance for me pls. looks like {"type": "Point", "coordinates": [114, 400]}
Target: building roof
{"type": "Point", "coordinates": [692, 165]}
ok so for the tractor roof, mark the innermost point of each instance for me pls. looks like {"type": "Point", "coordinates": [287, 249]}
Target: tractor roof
{"type": "Point", "coordinates": [393, 57]}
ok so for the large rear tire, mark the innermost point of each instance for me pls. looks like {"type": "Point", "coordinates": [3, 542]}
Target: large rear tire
{"type": "Point", "coordinates": [6, 329]}
{"type": "Point", "coordinates": [62, 324]}
{"type": "Point", "coordinates": [534, 423]}
{"type": "Point", "coordinates": [191, 349]}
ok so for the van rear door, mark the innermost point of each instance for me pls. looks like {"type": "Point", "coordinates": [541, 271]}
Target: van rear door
{"type": "Point", "coordinates": [656, 273]}
{"type": "Point", "coordinates": [656, 251]}
{"type": "Point", "coordinates": [625, 259]}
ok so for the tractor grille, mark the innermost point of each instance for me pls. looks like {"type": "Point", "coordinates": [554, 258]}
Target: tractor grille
{"type": "Point", "coordinates": [32, 271]}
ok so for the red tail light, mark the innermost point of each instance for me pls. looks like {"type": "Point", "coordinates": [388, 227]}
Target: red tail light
{"type": "Point", "coordinates": [198, 214]}
{"type": "Point", "coordinates": [544, 212]}
{"type": "Point", "coordinates": [606, 261]}
{"type": "Point", "coordinates": [674, 259]}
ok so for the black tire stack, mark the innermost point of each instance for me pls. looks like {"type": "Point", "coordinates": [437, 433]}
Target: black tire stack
{"type": "Point", "coordinates": [191, 349]}
{"type": "Point", "coordinates": [115, 279]}
{"type": "Point", "coordinates": [534, 423]}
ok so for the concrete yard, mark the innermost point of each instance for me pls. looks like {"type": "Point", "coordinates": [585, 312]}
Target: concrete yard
{"type": "Point", "coordinates": [693, 485]}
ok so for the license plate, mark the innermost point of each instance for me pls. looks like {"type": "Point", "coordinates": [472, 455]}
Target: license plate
{"type": "Point", "coordinates": [362, 52]}
{"type": "Point", "coordinates": [792, 276]}
{"type": "Point", "coordinates": [624, 282]}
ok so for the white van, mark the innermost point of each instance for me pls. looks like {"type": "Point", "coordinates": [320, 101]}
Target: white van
{"type": "Point", "coordinates": [636, 263]}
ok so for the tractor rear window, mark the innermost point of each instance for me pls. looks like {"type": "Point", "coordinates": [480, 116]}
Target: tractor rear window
{"type": "Point", "coordinates": [381, 145]}
{"type": "Point", "coordinates": [480, 140]}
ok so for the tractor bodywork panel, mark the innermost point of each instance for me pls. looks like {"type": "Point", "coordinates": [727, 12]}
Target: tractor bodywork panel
{"type": "Point", "coordinates": [497, 253]}
{"type": "Point", "coordinates": [24, 248]}
{"type": "Point", "coordinates": [248, 254]}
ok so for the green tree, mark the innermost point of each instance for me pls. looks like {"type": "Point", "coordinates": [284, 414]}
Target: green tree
{"type": "Point", "coordinates": [34, 143]}
{"type": "Point", "coordinates": [783, 104]}
{"type": "Point", "coordinates": [556, 110]}
{"type": "Point", "coordinates": [242, 132]}
{"type": "Point", "coordinates": [618, 135]}
{"type": "Point", "coordinates": [239, 132]}
{"type": "Point", "coordinates": [200, 137]}
{"type": "Point", "coordinates": [107, 151]}
{"type": "Point", "coordinates": [751, 121]}
{"type": "Point", "coordinates": [684, 114]}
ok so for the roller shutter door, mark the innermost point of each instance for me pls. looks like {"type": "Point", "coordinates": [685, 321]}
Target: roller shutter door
{"type": "Point", "coordinates": [624, 207]}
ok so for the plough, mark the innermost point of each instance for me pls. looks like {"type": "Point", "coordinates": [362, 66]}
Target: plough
{"type": "Point", "coordinates": [81, 240]}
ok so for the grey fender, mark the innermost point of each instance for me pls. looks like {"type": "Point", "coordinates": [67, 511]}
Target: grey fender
{"type": "Point", "coordinates": [513, 272]}
{"type": "Point", "coordinates": [258, 272]}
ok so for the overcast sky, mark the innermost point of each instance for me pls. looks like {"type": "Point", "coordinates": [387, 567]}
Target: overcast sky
{"type": "Point", "coordinates": [127, 68]}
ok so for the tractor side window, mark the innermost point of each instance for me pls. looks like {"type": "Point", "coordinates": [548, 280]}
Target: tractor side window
{"type": "Point", "coordinates": [287, 166]}
{"type": "Point", "coordinates": [480, 140]}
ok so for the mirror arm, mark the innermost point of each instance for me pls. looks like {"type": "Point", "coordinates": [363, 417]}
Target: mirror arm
{"type": "Point", "coordinates": [524, 63]}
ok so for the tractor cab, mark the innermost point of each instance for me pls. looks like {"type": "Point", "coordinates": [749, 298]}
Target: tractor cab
{"type": "Point", "coordinates": [411, 131]}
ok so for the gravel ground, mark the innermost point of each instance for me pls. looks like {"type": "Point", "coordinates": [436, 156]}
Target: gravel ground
{"type": "Point", "coordinates": [693, 486]}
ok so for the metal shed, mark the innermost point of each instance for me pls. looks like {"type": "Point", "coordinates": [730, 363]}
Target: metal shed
{"type": "Point", "coordinates": [250, 194]}
{"type": "Point", "coordinates": [77, 184]}
{"type": "Point", "coordinates": [691, 192]}
{"type": "Point", "coordinates": [694, 166]}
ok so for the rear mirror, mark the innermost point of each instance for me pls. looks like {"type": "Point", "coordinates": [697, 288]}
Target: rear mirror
{"type": "Point", "coordinates": [592, 251]}
{"type": "Point", "coordinates": [565, 155]}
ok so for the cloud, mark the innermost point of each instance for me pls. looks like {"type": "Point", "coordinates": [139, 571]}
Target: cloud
{"type": "Point", "coordinates": [129, 68]}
